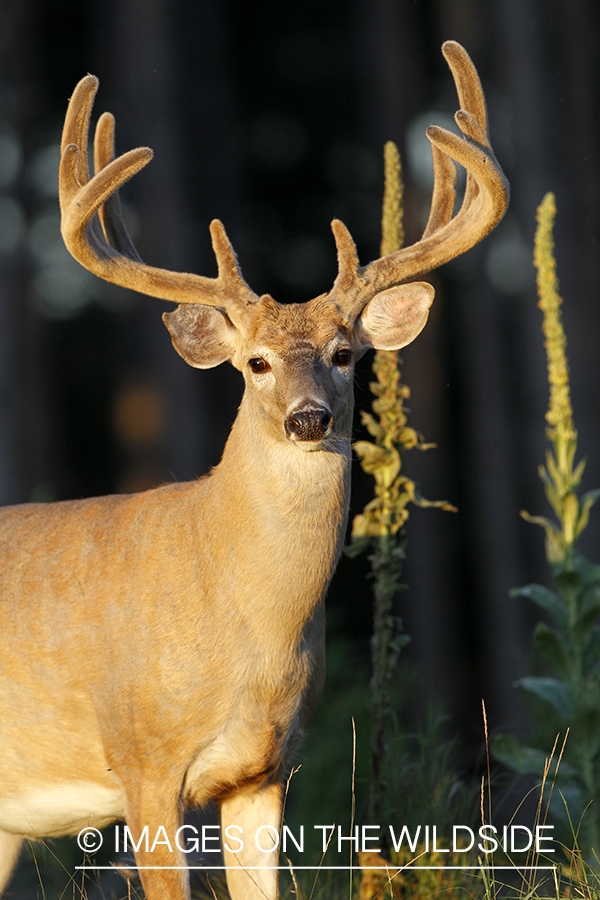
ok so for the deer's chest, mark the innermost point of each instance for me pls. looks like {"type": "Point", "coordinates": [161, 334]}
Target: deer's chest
{"type": "Point", "coordinates": [256, 739]}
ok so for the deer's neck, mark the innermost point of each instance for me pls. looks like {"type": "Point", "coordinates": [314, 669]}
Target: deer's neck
{"type": "Point", "coordinates": [283, 512]}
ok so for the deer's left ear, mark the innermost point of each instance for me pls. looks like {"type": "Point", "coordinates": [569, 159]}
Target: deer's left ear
{"type": "Point", "coordinates": [393, 318]}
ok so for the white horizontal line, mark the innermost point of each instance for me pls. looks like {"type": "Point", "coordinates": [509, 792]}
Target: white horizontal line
{"type": "Point", "coordinates": [393, 869]}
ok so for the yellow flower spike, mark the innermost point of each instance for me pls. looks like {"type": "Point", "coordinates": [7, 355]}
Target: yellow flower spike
{"type": "Point", "coordinates": [388, 423]}
{"type": "Point", "coordinates": [560, 478]}
{"type": "Point", "coordinates": [560, 413]}
{"type": "Point", "coordinates": [392, 231]}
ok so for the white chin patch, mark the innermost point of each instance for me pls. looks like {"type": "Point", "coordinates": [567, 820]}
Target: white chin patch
{"type": "Point", "coordinates": [309, 446]}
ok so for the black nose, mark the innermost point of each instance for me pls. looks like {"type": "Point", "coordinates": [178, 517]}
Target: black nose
{"type": "Point", "coordinates": [310, 423]}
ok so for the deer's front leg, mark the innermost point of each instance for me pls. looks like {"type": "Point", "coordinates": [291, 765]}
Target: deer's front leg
{"type": "Point", "coordinates": [250, 827]}
{"type": "Point", "coordinates": [10, 846]}
{"type": "Point", "coordinates": [153, 817]}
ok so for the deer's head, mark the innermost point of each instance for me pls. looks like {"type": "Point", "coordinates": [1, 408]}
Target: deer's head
{"type": "Point", "coordinates": [297, 359]}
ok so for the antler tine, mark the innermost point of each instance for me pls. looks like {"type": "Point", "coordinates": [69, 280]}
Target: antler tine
{"type": "Point", "coordinates": [77, 120]}
{"type": "Point", "coordinates": [484, 203]}
{"type": "Point", "coordinates": [110, 213]}
{"type": "Point", "coordinates": [467, 82]}
{"type": "Point", "coordinates": [109, 251]}
{"type": "Point", "coordinates": [230, 273]}
{"type": "Point", "coordinates": [349, 270]}
{"type": "Point", "coordinates": [444, 192]}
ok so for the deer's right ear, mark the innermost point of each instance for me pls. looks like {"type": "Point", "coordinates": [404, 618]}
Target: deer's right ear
{"type": "Point", "coordinates": [393, 318]}
{"type": "Point", "coordinates": [202, 335]}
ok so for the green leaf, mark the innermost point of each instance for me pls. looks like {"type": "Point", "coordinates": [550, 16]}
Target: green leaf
{"type": "Point", "coordinates": [590, 573]}
{"type": "Point", "coordinates": [592, 651]}
{"type": "Point", "coordinates": [567, 579]}
{"type": "Point", "coordinates": [541, 520]}
{"type": "Point", "coordinates": [553, 470]}
{"type": "Point", "coordinates": [552, 647]}
{"type": "Point", "coordinates": [585, 734]}
{"type": "Point", "coordinates": [586, 503]}
{"type": "Point", "coordinates": [588, 697]}
{"type": "Point", "coordinates": [585, 622]}
{"type": "Point", "coordinates": [408, 437]}
{"type": "Point", "coordinates": [553, 691]}
{"type": "Point", "coordinates": [372, 456]}
{"type": "Point", "coordinates": [372, 425]}
{"type": "Point", "coordinates": [358, 544]}
{"type": "Point", "coordinates": [571, 450]}
{"type": "Point", "coordinates": [400, 641]}
{"type": "Point", "coordinates": [523, 760]}
{"type": "Point", "coordinates": [544, 598]}
{"type": "Point", "coordinates": [585, 731]}
{"type": "Point", "coordinates": [578, 473]}
{"type": "Point", "coordinates": [555, 543]}
{"type": "Point", "coordinates": [567, 804]}
{"type": "Point", "coordinates": [381, 462]}
{"type": "Point", "coordinates": [589, 596]}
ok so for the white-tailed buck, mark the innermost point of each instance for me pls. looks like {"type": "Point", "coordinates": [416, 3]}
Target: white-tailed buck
{"type": "Point", "coordinates": [165, 649]}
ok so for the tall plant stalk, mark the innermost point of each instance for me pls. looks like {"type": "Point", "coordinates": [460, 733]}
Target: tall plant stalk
{"type": "Point", "coordinates": [380, 527]}
{"type": "Point", "coordinates": [568, 693]}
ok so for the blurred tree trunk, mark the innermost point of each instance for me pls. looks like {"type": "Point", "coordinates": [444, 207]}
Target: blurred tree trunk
{"type": "Point", "coordinates": [24, 438]}
{"type": "Point", "coordinates": [575, 65]}
{"type": "Point", "coordinates": [155, 89]}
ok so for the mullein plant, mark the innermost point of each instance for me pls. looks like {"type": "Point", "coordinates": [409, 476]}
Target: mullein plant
{"type": "Point", "coordinates": [380, 528]}
{"type": "Point", "coordinates": [567, 696]}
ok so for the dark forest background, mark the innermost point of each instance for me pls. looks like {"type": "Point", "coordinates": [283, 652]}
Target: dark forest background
{"type": "Point", "coordinates": [272, 116]}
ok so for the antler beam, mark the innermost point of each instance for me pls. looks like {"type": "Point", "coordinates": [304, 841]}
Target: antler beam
{"type": "Point", "coordinates": [484, 204]}
{"type": "Point", "coordinates": [102, 243]}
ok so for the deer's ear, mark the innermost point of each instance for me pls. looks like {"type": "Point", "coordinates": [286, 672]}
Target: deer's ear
{"type": "Point", "coordinates": [202, 335]}
{"type": "Point", "coordinates": [393, 318]}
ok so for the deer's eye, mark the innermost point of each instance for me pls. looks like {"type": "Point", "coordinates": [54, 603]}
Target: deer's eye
{"type": "Point", "coordinates": [259, 365]}
{"type": "Point", "coordinates": [342, 357]}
